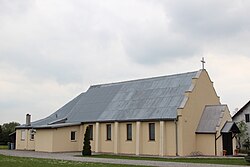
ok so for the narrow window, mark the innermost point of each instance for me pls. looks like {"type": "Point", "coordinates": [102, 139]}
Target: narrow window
{"type": "Point", "coordinates": [73, 136]}
{"type": "Point", "coordinates": [129, 131]}
{"type": "Point", "coordinates": [151, 131]}
{"type": "Point", "coordinates": [91, 132]}
{"type": "Point", "coordinates": [23, 136]}
{"type": "Point", "coordinates": [247, 117]}
{"type": "Point", "coordinates": [108, 131]}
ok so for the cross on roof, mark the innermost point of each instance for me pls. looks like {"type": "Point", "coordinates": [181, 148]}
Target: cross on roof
{"type": "Point", "coordinates": [203, 63]}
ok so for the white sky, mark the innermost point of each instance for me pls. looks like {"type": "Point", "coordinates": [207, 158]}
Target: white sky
{"type": "Point", "coordinates": [52, 50]}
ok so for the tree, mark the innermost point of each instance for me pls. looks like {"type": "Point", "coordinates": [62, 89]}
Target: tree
{"type": "Point", "coordinates": [1, 134]}
{"type": "Point", "coordinates": [86, 144]}
{"type": "Point", "coordinates": [242, 137]}
{"type": "Point", "coordinates": [6, 129]}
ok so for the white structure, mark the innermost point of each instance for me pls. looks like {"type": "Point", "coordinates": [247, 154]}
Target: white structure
{"type": "Point", "coordinates": [243, 115]}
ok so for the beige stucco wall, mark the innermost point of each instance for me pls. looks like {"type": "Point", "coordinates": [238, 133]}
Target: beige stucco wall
{"type": "Point", "coordinates": [202, 94]}
{"type": "Point", "coordinates": [26, 144]}
{"type": "Point", "coordinates": [170, 139]}
{"type": "Point", "coordinates": [57, 140]}
{"type": "Point", "coordinates": [106, 145]}
{"type": "Point", "coordinates": [62, 141]}
{"type": "Point", "coordinates": [219, 145]}
{"type": "Point", "coordinates": [146, 147]}
{"type": "Point", "coordinates": [149, 147]}
{"type": "Point", "coordinates": [44, 140]}
{"type": "Point", "coordinates": [205, 144]}
{"type": "Point", "coordinates": [125, 146]}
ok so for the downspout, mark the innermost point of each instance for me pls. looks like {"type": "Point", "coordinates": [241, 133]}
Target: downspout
{"type": "Point", "coordinates": [215, 150]}
{"type": "Point", "coordinates": [176, 136]}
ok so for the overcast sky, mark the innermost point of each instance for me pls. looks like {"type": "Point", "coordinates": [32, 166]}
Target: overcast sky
{"type": "Point", "coordinates": [52, 50]}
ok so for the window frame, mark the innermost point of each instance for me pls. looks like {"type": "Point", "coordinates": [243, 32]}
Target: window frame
{"type": "Point", "coordinates": [108, 132]}
{"type": "Point", "coordinates": [32, 135]}
{"type": "Point", "coordinates": [151, 131]}
{"type": "Point", "coordinates": [247, 118]}
{"type": "Point", "coordinates": [129, 132]}
{"type": "Point", "coordinates": [73, 137]}
{"type": "Point", "coordinates": [91, 132]}
{"type": "Point", "coordinates": [23, 135]}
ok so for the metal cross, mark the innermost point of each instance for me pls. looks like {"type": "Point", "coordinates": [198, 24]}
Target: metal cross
{"type": "Point", "coordinates": [203, 62]}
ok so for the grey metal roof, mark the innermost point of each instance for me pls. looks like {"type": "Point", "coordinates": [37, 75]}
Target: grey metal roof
{"type": "Point", "coordinates": [227, 127]}
{"type": "Point", "coordinates": [230, 127]}
{"type": "Point", "coordinates": [211, 119]}
{"type": "Point", "coordinates": [60, 114]}
{"type": "Point", "coordinates": [144, 99]}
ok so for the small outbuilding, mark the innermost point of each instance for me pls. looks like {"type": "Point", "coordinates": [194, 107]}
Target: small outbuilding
{"type": "Point", "coordinates": [216, 124]}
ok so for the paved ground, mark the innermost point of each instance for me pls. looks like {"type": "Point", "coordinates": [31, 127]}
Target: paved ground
{"type": "Point", "coordinates": [72, 157]}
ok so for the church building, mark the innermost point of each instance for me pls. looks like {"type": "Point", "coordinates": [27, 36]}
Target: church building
{"type": "Point", "coordinates": [173, 115]}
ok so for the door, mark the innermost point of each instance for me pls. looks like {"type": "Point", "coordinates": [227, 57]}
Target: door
{"type": "Point", "coordinates": [227, 143]}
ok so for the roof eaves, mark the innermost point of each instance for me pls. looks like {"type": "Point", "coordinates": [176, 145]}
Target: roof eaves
{"type": "Point", "coordinates": [205, 132]}
{"type": "Point", "coordinates": [57, 126]}
{"type": "Point", "coordinates": [134, 120]}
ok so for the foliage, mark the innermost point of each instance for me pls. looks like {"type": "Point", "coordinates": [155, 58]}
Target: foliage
{"type": "Point", "coordinates": [1, 133]}
{"type": "Point", "coordinates": [30, 162]}
{"type": "Point", "coordinates": [6, 129]}
{"type": "Point", "coordinates": [242, 137]}
{"type": "Point", "coordinates": [3, 147]}
{"type": "Point", "coordinates": [247, 158]}
{"type": "Point", "coordinates": [86, 144]}
{"type": "Point", "coordinates": [246, 144]}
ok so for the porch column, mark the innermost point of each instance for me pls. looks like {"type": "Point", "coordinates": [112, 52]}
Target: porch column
{"type": "Point", "coordinates": [27, 139]}
{"type": "Point", "coordinates": [81, 134]}
{"type": "Point", "coordinates": [162, 139]}
{"type": "Point", "coordinates": [116, 138]}
{"type": "Point", "coordinates": [97, 124]}
{"type": "Point", "coordinates": [138, 129]}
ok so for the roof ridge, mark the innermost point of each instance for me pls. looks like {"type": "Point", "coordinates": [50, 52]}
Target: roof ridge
{"type": "Point", "coordinates": [133, 80]}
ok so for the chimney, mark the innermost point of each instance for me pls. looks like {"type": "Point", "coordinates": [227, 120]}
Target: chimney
{"type": "Point", "coordinates": [28, 116]}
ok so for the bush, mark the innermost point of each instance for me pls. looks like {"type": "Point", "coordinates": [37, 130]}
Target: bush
{"type": "Point", "coordinates": [86, 144]}
{"type": "Point", "coordinates": [247, 158]}
{"type": "Point", "coordinates": [5, 130]}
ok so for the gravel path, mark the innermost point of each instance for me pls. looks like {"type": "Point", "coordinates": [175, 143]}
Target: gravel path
{"type": "Point", "coordinates": [72, 157]}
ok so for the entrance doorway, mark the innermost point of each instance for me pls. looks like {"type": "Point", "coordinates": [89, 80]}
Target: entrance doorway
{"type": "Point", "coordinates": [227, 143]}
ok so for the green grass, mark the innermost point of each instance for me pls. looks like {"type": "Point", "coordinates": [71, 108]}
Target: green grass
{"type": "Point", "coordinates": [226, 161]}
{"type": "Point", "coordinates": [3, 147]}
{"type": "Point", "coordinates": [31, 162]}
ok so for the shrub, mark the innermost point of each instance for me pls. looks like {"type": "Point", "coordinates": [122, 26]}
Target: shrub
{"type": "Point", "coordinates": [86, 144]}
{"type": "Point", "coordinates": [247, 158]}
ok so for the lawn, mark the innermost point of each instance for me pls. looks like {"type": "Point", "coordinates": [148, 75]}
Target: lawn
{"type": "Point", "coordinates": [3, 147]}
{"type": "Point", "coordinates": [31, 162]}
{"type": "Point", "coordinates": [226, 161]}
